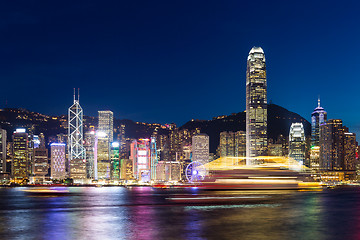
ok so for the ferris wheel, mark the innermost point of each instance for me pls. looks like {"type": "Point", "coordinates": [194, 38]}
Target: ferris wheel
{"type": "Point", "coordinates": [195, 172]}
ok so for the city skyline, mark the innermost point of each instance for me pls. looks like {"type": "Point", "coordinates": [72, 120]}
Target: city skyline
{"type": "Point", "coordinates": [199, 46]}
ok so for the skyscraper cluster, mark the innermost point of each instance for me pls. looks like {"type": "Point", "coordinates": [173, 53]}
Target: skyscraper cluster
{"type": "Point", "coordinates": [101, 152]}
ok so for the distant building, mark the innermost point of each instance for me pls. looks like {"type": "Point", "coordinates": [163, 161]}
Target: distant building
{"type": "Point", "coordinates": [297, 144]}
{"type": "Point", "coordinates": [58, 161]}
{"type": "Point", "coordinates": [350, 149]}
{"type": "Point", "coordinates": [115, 161]}
{"type": "Point", "coordinates": [200, 148]}
{"type": "Point", "coordinates": [20, 161]}
{"type": "Point", "coordinates": [40, 164]}
{"type": "Point", "coordinates": [256, 105]}
{"type": "Point", "coordinates": [168, 171]}
{"type": "Point", "coordinates": [332, 145]}
{"type": "Point", "coordinates": [233, 144]}
{"type": "Point", "coordinates": [315, 159]}
{"type": "Point", "coordinates": [89, 145]}
{"type": "Point", "coordinates": [77, 157]}
{"type": "Point", "coordinates": [106, 124]}
{"type": "Point", "coordinates": [318, 117]}
{"type": "Point", "coordinates": [141, 158]}
{"type": "Point", "coordinates": [3, 145]}
{"type": "Point", "coordinates": [102, 153]}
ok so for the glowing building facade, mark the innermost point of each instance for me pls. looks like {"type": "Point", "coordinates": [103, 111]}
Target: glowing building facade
{"type": "Point", "coordinates": [350, 149]}
{"type": "Point", "coordinates": [115, 161]}
{"type": "Point", "coordinates": [77, 156]}
{"type": "Point", "coordinates": [106, 124]}
{"type": "Point", "coordinates": [256, 105]}
{"type": "Point", "coordinates": [332, 145]}
{"type": "Point", "coordinates": [2, 150]}
{"type": "Point", "coordinates": [297, 144]}
{"type": "Point", "coordinates": [20, 161]}
{"type": "Point", "coordinates": [102, 156]}
{"type": "Point", "coordinates": [233, 144]}
{"type": "Point", "coordinates": [141, 158]}
{"type": "Point", "coordinates": [318, 117]}
{"type": "Point", "coordinates": [200, 148]}
{"type": "Point", "coordinates": [58, 161]}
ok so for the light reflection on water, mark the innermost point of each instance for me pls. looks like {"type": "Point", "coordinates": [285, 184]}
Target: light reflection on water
{"type": "Point", "coordinates": [145, 213]}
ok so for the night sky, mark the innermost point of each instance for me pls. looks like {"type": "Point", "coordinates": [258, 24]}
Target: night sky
{"type": "Point", "coordinates": [171, 61]}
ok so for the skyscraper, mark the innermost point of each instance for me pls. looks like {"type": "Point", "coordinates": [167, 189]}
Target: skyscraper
{"type": "Point", "coordinates": [332, 145]}
{"type": "Point", "coordinates": [297, 142]}
{"type": "Point", "coordinates": [106, 124]}
{"type": "Point", "coordinates": [20, 161]}
{"type": "Point", "coordinates": [2, 150]}
{"type": "Point", "coordinates": [200, 148]}
{"type": "Point", "coordinates": [58, 161]}
{"type": "Point", "coordinates": [75, 131]}
{"type": "Point", "coordinates": [77, 158]}
{"type": "Point", "coordinates": [256, 105]}
{"type": "Point", "coordinates": [318, 117]}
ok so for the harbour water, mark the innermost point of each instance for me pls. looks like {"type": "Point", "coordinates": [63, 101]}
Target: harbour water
{"type": "Point", "coordinates": [147, 213]}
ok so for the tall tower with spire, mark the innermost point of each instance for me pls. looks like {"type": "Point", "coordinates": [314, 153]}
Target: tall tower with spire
{"type": "Point", "coordinates": [318, 117]}
{"type": "Point", "coordinates": [75, 130]}
{"type": "Point", "coordinates": [256, 105]}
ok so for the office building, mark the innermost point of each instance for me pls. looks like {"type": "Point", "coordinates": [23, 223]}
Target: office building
{"type": "Point", "coordinates": [3, 146]}
{"type": "Point", "coordinates": [331, 145]}
{"type": "Point", "coordinates": [297, 144]}
{"type": "Point", "coordinates": [58, 161]}
{"type": "Point", "coordinates": [318, 117]}
{"type": "Point", "coordinates": [256, 105]}
{"type": "Point", "coordinates": [20, 160]}
{"type": "Point", "coordinates": [106, 124]}
{"type": "Point", "coordinates": [200, 148]}
{"type": "Point", "coordinates": [77, 158]}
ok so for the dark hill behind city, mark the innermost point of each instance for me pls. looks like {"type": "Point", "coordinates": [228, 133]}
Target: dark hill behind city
{"type": "Point", "coordinates": [279, 122]}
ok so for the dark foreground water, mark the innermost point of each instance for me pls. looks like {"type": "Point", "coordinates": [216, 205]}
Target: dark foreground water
{"type": "Point", "coordinates": [146, 213]}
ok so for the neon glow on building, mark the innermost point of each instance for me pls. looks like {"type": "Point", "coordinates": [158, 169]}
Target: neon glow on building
{"type": "Point", "coordinates": [140, 154]}
{"type": "Point", "coordinates": [154, 157]}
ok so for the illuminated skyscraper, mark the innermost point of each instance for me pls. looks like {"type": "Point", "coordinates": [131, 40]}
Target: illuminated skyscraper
{"type": "Point", "coordinates": [2, 150]}
{"type": "Point", "coordinates": [256, 105]}
{"type": "Point", "coordinates": [318, 117]}
{"type": "Point", "coordinates": [115, 161]}
{"type": "Point", "coordinates": [20, 161]}
{"type": "Point", "coordinates": [102, 156]}
{"type": "Point", "coordinates": [350, 146]}
{"type": "Point", "coordinates": [141, 158]}
{"type": "Point", "coordinates": [58, 160]}
{"type": "Point", "coordinates": [297, 142]}
{"type": "Point", "coordinates": [200, 148]}
{"type": "Point", "coordinates": [332, 145]}
{"type": "Point", "coordinates": [106, 124]}
{"type": "Point", "coordinates": [77, 158]}
{"type": "Point", "coordinates": [75, 131]}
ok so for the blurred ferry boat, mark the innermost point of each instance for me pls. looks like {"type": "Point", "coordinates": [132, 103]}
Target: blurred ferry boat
{"type": "Point", "coordinates": [265, 173]}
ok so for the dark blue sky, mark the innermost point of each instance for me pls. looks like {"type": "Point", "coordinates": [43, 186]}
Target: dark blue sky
{"type": "Point", "coordinates": [170, 61]}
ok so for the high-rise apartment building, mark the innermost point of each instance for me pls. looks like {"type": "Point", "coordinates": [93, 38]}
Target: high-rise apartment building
{"type": "Point", "coordinates": [58, 161]}
{"type": "Point", "coordinates": [20, 161]}
{"type": "Point", "coordinates": [256, 105]}
{"type": "Point", "coordinates": [297, 144]}
{"type": "Point", "coordinates": [318, 117]}
{"type": "Point", "coordinates": [2, 151]}
{"type": "Point", "coordinates": [200, 148]}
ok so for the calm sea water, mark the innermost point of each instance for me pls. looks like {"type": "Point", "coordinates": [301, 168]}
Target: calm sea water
{"type": "Point", "coordinates": [146, 213]}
